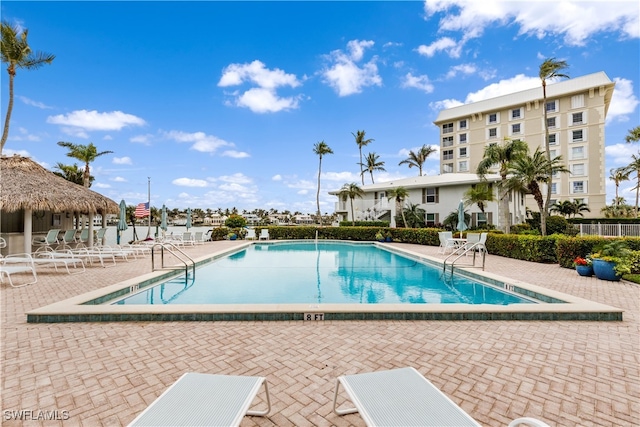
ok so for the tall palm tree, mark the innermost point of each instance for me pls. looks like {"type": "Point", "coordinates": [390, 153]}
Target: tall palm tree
{"type": "Point", "coordinates": [400, 194]}
{"type": "Point", "coordinates": [578, 207]}
{"type": "Point", "coordinates": [86, 154]}
{"type": "Point", "coordinates": [351, 191]}
{"type": "Point", "coordinates": [634, 135]}
{"type": "Point", "coordinates": [71, 173]}
{"type": "Point", "coordinates": [528, 172]}
{"type": "Point", "coordinates": [362, 142]}
{"type": "Point", "coordinates": [634, 167]}
{"type": "Point", "coordinates": [549, 69]}
{"type": "Point", "coordinates": [564, 208]}
{"type": "Point", "coordinates": [18, 54]}
{"type": "Point", "coordinates": [479, 195]}
{"type": "Point", "coordinates": [618, 175]}
{"type": "Point", "coordinates": [414, 215]}
{"type": "Point", "coordinates": [320, 148]}
{"type": "Point", "coordinates": [418, 157]}
{"type": "Point", "coordinates": [371, 165]}
{"type": "Point", "coordinates": [503, 156]}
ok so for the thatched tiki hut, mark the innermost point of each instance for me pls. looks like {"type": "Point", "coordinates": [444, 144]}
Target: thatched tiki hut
{"type": "Point", "coordinates": [33, 199]}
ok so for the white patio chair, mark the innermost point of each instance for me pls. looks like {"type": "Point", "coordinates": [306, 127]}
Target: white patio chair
{"type": "Point", "coordinates": [205, 400]}
{"type": "Point", "coordinates": [446, 242]}
{"type": "Point", "coordinates": [251, 234]}
{"type": "Point", "coordinates": [264, 234]}
{"type": "Point", "coordinates": [17, 264]}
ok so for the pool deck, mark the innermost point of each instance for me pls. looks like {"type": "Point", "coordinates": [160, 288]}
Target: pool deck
{"type": "Point", "coordinates": [563, 372]}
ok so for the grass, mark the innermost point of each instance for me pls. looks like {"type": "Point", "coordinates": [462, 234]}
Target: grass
{"type": "Point", "coordinates": [635, 278]}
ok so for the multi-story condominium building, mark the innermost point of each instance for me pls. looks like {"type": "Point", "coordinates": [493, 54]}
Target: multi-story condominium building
{"type": "Point", "coordinates": [576, 112]}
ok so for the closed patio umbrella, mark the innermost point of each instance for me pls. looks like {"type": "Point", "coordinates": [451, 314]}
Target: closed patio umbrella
{"type": "Point", "coordinates": [163, 220]}
{"type": "Point", "coordinates": [122, 220]}
{"type": "Point", "coordinates": [461, 224]}
{"type": "Point", "coordinates": [189, 218]}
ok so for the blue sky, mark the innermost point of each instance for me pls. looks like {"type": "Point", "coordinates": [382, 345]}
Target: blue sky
{"type": "Point", "coordinates": [220, 103]}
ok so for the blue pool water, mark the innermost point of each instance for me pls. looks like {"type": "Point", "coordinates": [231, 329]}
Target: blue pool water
{"type": "Point", "coordinates": [327, 272]}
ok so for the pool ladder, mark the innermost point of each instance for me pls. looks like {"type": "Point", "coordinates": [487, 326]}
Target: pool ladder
{"type": "Point", "coordinates": [463, 251]}
{"type": "Point", "coordinates": [176, 252]}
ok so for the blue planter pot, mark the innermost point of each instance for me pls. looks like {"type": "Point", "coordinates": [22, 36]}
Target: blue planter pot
{"type": "Point", "coordinates": [388, 239]}
{"type": "Point", "coordinates": [604, 270]}
{"type": "Point", "coordinates": [584, 270]}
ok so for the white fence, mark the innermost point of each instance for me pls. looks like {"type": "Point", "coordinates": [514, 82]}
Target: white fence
{"type": "Point", "coordinates": [610, 230]}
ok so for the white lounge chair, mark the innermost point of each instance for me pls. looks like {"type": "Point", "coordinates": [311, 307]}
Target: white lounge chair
{"type": "Point", "coordinates": [264, 234]}
{"type": "Point", "coordinates": [205, 400]}
{"type": "Point", "coordinates": [18, 263]}
{"type": "Point", "coordinates": [528, 421]}
{"type": "Point", "coordinates": [198, 238]}
{"type": "Point", "coordinates": [48, 241]}
{"type": "Point", "coordinates": [68, 239]}
{"type": "Point", "coordinates": [251, 234]}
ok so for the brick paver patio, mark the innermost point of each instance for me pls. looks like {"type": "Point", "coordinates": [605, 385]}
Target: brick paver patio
{"type": "Point", "coordinates": [566, 373]}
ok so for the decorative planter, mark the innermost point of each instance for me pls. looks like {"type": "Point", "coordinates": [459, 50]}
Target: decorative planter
{"type": "Point", "coordinates": [584, 270]}
{"type": "Point", "coordinates": [604, 270]}
{"type": "Point", "coordinates": [388, 239]}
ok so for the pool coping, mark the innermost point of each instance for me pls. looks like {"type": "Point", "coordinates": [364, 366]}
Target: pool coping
{"type": "Point", "coordinates": [76, 309]}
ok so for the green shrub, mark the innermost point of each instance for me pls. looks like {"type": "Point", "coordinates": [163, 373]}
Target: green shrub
{"type": "Point", "coordinates": [556, 225]}
{"type": "Point", "coordinates": [527, 248]}
{"type": "Point", "coordinates": [235, 221]}
{"type": "Point", "coordinates": [568, 248]}
{"type": "Point", "coordinates": [364, 224]}
{"type": "Point", "coordinates": [520, 228]}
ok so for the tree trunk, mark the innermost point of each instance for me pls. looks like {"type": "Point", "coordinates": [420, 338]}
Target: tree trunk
{"type": "Point", "coordinates": [318, 191]}
{"type": "Point", "coordinates": [547, 150]}
{"type": "Point", "coordinates": [353, 216]}
{"type": "Point", "coordinates": [5, 132]}
{"type": "Point", "coordinates": [361, 170]}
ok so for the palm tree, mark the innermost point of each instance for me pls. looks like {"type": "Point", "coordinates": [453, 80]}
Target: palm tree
{"type": "Point", "coordinates": [577, 207]}
{"type": "Point", "coordinates": [400, 194]}
{"type": "Point", "coordinates": [634, 135]}
{"type": "Point", "coordinates": [528, 172]}
{"type": "Point", "coordinates": [617, 175]}
{"type": "Point", "coordinates": [549, 69]}
{"type": "Point", "coordinates": [362, 142]}
{"type": "Point", "coordinates": [415, 215]}
{"type": "Point", "coordinates": [418, 158]}
{"type": "Point", "coordinates": [479, 195]}
{"type": "Point", "coordinates": [17, 53]}
{"type": "Point", "coordinates": [86, 154]}
{"type": "Point", "coordinates": [634, 167]}
{"type": "Point", "coordinates": [351, 191]}
{"type": "Point", "coordinates": [564, 208]}
{"type": "Point", "coordinates": [502, 156]}
{"type": "Point", "coordinates": [372, 165]}
{"type": "Point", "coordinates": [71, 173]}
{"type": "Point", "coordinates": [320, 148]}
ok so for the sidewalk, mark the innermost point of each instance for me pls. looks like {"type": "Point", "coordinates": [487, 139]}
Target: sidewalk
{"type": "Point", "coordinates": [566, 373]}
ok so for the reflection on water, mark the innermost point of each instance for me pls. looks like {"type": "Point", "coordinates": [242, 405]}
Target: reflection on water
{"type": "Point", "coordinates": [309, 272]}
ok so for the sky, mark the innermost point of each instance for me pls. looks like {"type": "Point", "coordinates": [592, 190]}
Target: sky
{"type": "Point", "coordinates": [219, 104]}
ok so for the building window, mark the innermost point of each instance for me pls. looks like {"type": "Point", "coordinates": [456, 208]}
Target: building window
{"type": "Point", "coordinates": [447, 128]}
{"type": "Point", "coordinates": [463, 138]}
{"type": "Point", "coordinates": [447, 167]}
{"type": "Point", "coordinates": [462, 152]}
{"type": "Point", "coordinates": [447, 141]}
{"type": "Point", "coordinates": [515, 128]}
{"type": "Point", "coordinates": [463, 166]}
{"type": "Point", "coordinates": [551, 122]}
{"type": "Point", "coordinates": [554, 188]}
{"type": "Point", "coordinates": [447, 155]}
{"type": "Point", "coordinates": [481, 219]}
{"type": "Point", "coordinates": [577, 153]}
{"type": "Point", "coordinates": [493, 133]}
{"type": "Point", "coordinates": [430, 219]}
{"type": "Point", "coordinates": [577, 101]}
{"type": "Point", "coordinates": [576, 135]}
{"type": "Point", "coordinates": [462, 124]}
{"type": "Point", "coordinates": [578, 186]}
{"type": "Point", "coordinates": [553, 139]}
{"type": "Point", "coordinates": [577, 169]}
{"type": "Point", "coordinates": [551, 106]}
{"type": "Point", "coordinates": [493, 118]}
{"type": "Point", "coordinates": [515, 114]}
{"type": "Point", "coordinates": [430, 195]}
{"type": "Point", "coordinates": [576, 118]}
{"type": "Point", "coordinates": [553, 153]}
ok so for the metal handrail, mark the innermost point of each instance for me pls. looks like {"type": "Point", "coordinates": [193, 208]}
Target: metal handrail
{"type": "Point", "coordinates": [169, 246]}
{"type": "Point", "coordinates": [465, 249]}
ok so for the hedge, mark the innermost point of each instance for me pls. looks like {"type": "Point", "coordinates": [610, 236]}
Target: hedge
{"type": "Point", "coordinates": [522, 246]}
{"type": "Point", "coordinates": [571, 247]}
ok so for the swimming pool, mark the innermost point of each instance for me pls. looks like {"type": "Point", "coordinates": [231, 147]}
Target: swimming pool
{"type": "Point", "coordinates": [97, 305]}
{"type": "Point", "coordinates": [321, 272]}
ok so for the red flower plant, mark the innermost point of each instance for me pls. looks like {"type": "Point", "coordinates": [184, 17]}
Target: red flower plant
{"type": "Point", "coordinates": [581, 261]}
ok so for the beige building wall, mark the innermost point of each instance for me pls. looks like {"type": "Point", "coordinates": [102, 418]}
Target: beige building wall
{"type": "Point", "coordinates": [577, 110]}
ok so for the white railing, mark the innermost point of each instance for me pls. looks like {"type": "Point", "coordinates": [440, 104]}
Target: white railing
{"type": "Point", "coordinates": [610, 230]}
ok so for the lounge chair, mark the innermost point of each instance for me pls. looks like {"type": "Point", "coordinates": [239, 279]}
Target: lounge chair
{"type": "Point", "coordinates": [198, 238]}
{"type": "Point", "coordinates": [16, 264]}
{"type": "Point", "coordinates": [68, 239]}
{"type": "Point", "coordinates": [204, 400]}
{"type": "Point", "coordinates": [264, 234]}
{"type": "Point", "coordinates": [83, 238]}
{"type": "Point", "coordinates": [48, 241]}
{"type": "Point", "coordinates": [251, 234]}
{"type": "Point", "coordinates": [528, 421]}
{"type": "Point", "coordinates": [100, 235]}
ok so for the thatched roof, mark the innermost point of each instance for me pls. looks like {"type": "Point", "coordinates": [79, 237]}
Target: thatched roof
{"type": "Point", "coordinates": [24, 184]}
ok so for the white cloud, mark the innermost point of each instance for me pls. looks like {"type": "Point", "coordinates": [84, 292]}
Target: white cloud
{"type": "Point", "coordinates": [303, 192]}
{"type": "Point", "coordinates": [189, 182]}
{"type": "Point", "coordinates": [93, 120]}
{"type": "Point", "coordinates": [75, 132]}
{"type": "Point", "coordinates": [624, 101]}
{"type": "Point", "coordinates": [200, 140]}
{"type": "Point", "coordinates": [419, 82]}
{"type": "Point", "coordinates": [236, 178]}
{"type": "Point", "coordinates": [302, 184]}
{"type": "Point", "coordinates": [24, 135]}
{"type": "Point", "coordinates": [445, 104]}
{"type": "Point", "coordinates": [341, 177]}
{"type": "Point", "coordinates": [235, 154]}
{"type": "Point", "coordinates": [33, 103]}
{"type": "Point", "coordinates": [345, 76]}
{"type": "Point", "coordinates": [122, 160]}
{"type": "Point", "coordinates": [101, 185]}
{"type": "Point", "coordinates": [9, 152]}
{"type": "Point", "coordinates": [263, 98]}
{"type": "Point", "coordinates": [576, 21]}
{"type": "Point", "coordinates": [461, 69]}
{"type": "Point", "coordinates": [620, 153]}
{"type": "Point", "coordinates": [142, 139]}
{"type": "Point", "coordinates": [446, 44]}
{"type": "Point", "coordinates": [276, 178]}
{"type": "Point", "coordinates": [118, 179]}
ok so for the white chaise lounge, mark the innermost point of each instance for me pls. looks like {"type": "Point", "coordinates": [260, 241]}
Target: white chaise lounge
{"type": "Point", "coordinates": [205, 400]}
